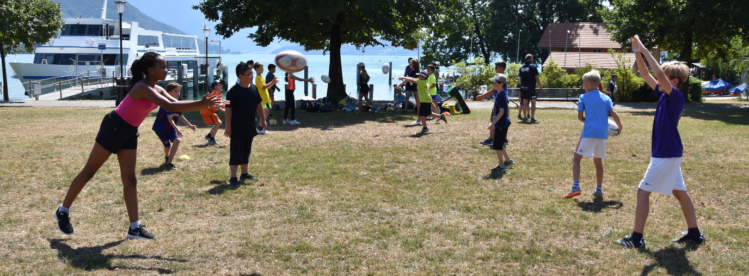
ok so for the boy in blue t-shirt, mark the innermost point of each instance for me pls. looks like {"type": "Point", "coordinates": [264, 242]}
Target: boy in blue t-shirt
{"type": "Point", "coordinates": [595, 106]}
{"type": "Point", "coordinates": [165, 127]}
{"type": "Point", "coordinates": [501, 121]}
{"type": "Point", "coordinates": [499, 68]}
{"type": "Point", "coordinates": [664, 171]}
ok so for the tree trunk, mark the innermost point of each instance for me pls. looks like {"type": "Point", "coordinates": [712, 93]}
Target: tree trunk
{"type": "Point", "coordinates": [686, 49]}
{"type": "Point", "coordinates": [477, 29]}
{"type": "Point", "coordinates": [335, 71]}
{"type": "Point", "coordinates": [5, 75]}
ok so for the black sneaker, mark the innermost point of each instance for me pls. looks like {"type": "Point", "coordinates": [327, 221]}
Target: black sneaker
{"type": "Point", "coordinates": [270, 116]}
{"type": "Point", "coordinates": [487, 142]}
{"type": "Point", "coordinates": [424, 130]}
{"type": "Point", "coordinates": [534, 121]}
{"type": "Point", "coordinates": [520, 117]}
{"type": "Point", "coordinates": [139, 233]}
{"type": "Point", "coordinates": [208, 136]}
{"type": "Point", "coordinates": [627, 241]}
{"type": "Point", "coordinates": [244, 177]}
{"type": "Point", "coordinates": [234, 182]}
{"type": "Point", "coordinates": [686, 239]}
{"type": "Point", "coordinates": [63, 222]}
{"type": "Point", "coordinates": [444, 118]}
{"type": "Point", "coordinates": [166, 159]}
{"type": "Point", "coordinates": [170, 167]}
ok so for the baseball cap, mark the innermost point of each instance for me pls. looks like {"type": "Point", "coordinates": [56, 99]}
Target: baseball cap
{"type": "Point", "coordinates": [361, 64]}
{"type": "Point", "coordinates": [499, 78]}
{"type": "Point", "coordinates": [424, 74]}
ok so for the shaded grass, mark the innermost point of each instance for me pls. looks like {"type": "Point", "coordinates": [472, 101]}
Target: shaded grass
{"type": "Point", "coordinates": [353, 194]}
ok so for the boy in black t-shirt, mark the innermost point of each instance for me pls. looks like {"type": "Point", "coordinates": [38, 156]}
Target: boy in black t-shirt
{"type": "Point", "coordinates": [243, 101]}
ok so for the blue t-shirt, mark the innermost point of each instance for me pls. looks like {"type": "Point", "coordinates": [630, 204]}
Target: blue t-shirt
{"type": "Point", "coordinates": [596, 106]}
{"type": "Point", "coordinates": [666, 139]}
{"type": "Point", "coordinates": [269, 77]}
{"type": "Point", "coordinates": [400, 99]}
{"type": "Point", "coordinates": [500, 101]}
{"type": "Point", "coordinates": [527, 75]}
{"type": "Point", "coordinates": [161, 125]}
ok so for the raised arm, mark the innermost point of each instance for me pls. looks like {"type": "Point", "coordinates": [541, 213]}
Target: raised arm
{"type": "Point", "coordinates": [660, 76]}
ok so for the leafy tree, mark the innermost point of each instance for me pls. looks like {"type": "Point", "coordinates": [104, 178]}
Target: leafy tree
{"type": "Point", "coordinates": [457, 32]}
{"type": "Point", "coordinates": [680, 25]}
{"type": "Point", "coordinates": [505, 20]}
{"type": "Point", "coordinates": [324, 25]}
{"type": "Point", "coordinates": [23, 24]}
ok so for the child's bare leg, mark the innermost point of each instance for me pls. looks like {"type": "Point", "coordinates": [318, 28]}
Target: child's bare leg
{"type": "Point", "coordinates": [500, 156]}
{"type": "Point", "coordinates": [642, 210]}
{"type": "Point", "coordinates": [173, 152]}
{"type": "Point", "coordinates": [686, 207]}
{"type": "Point", "coordinates": [423, 120]}
{"type": "Point", "coordinates": [507, 156]}
{"type": "Point", "coordinates": [127, 160]}
{"type": "Point", "coordinates": [576, 167]}
{"type": "Point", "coordinates": [599, 171]}
{"type": "Point", "coordinates": [215, 128]}
{"type": "Point", "coordinates": [233, 170]}
{"type": "Point", "coordinates": [96, 159]}
{"type": "Point", "coordinates": [435, 108]}
{"type": "Point", "coordinates": [166, 151]}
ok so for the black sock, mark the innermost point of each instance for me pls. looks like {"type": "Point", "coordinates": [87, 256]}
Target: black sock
{"type": "Point", "coordinates": [636, 236]}
{"type": "Point", "coordinates": [693, 232]}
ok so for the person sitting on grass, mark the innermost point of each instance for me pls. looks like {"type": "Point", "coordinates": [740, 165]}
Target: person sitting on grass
{"type": "Point", "coordinates": [209, 114]}
{"type": "Point", "coordinates": [165, 126]}
{"type": "Point", "coordinates": [664, 171]}
{"type": "Point", "coordinates": [592, 109]}
{"type": "Point", "coordinates": [425, 109]}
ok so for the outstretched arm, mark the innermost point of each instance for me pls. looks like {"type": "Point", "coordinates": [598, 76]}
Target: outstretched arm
{"type": "Point", "coordinates": [407, 79]}
{"type": "Point", "coordinates": [143, 91]}
{"type": "Point", "coordinates": [654, 65]}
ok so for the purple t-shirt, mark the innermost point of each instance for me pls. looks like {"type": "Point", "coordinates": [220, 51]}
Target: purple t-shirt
{"type": "Point", "coordinates": [666, 139]}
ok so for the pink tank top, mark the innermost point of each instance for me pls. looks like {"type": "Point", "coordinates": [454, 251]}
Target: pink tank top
{"type": "Point", "coordinates": [134, 111]}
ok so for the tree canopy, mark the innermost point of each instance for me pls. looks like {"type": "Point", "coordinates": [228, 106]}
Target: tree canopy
{"type": "Point", "coordinates": [457, 33]}
{"type": "Point", "coordinates": [23, 24]}
{"type": "Point", "coordinates": [324, 25]}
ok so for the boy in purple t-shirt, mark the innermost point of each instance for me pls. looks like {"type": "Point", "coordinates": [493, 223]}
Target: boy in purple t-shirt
{"type": "Point", "coordinates": [664, 172]}
{"type": "Point", "coordinates": [595, 106]}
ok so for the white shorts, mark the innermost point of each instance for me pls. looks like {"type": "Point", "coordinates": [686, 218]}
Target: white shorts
{"type": "Point", "coordinates": [663, 176]}
{"type": "Point", "coordinates": [591, 147]}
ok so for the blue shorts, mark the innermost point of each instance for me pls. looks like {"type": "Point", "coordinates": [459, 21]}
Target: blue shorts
{"type": "Point", "coordinates": [434, 97]}
{"type": "Point", "coordinates": [167, 137]}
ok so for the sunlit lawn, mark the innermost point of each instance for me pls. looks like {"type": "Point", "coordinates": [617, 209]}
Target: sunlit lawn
{"type": "Point", "coordinates": [348, 193]}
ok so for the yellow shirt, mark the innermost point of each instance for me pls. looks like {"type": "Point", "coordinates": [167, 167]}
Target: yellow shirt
{"type": "Point", "coordinates": [260, 83]}
{"type": "Point", "coordinates": [432, 81]}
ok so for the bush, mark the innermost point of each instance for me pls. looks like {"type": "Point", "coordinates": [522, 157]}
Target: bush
{"type": "Point", "coordinates": [695, 90]}
{"type": "Point", "coordinates": [512, 75]}
{"type": "Point", "coordinates": [472, 77]}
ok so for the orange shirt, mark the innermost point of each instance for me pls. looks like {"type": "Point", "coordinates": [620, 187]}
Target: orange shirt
{"type": "Point", "coordinates": [211, 110]}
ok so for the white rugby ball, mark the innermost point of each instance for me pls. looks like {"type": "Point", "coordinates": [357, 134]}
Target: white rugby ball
{"type": "Point", "coordinates": [613, 128]}
{"type": "Point", "coordinates": [325, 79]}
{"type": "Point", "coordinates": [385, 68]}
{"type": "Point", "coordinates": [291, 61]}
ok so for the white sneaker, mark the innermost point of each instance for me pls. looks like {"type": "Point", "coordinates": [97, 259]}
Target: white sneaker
{"type": "Point", "coordinates": [262, 132]}
{"type": "Point", "coordinates": [294, 122]}
{"type": "Point", "coordinates": [418, 123]}
{"type": "Point", "coordinates": [286, 122]}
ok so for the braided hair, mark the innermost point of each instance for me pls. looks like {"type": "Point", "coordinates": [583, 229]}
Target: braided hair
{"type": "Point", "coordinates": [140, 66]}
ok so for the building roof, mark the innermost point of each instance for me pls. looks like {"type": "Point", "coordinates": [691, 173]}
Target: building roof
{"type": "Point", "coordinates": [584, 35]}
{"type": "Point", "coordinates": [598, 60]}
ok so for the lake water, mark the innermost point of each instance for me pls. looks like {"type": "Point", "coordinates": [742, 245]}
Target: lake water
{"type": "Point", "coordinates": [318, 66]}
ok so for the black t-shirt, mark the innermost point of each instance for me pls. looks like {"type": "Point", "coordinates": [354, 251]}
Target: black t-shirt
{"type": "Point", "coordinates": [243, 106]}
{"type": "Point", "coordinates": [527, 75]}
{"type": "Point", "coordinates": [409, 85]}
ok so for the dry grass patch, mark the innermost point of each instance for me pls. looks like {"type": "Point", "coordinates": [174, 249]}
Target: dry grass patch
{"type": "Point", "coordinates": [350, 193]}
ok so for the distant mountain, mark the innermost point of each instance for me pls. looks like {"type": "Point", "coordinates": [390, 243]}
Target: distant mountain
{"type": "Point", "coordinates": [351, 50]}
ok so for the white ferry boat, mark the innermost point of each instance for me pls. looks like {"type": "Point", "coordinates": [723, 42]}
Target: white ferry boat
{"type": "Point", "coordinates": [90, 47]}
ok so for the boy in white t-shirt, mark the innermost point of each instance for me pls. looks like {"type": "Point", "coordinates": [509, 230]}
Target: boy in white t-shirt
{"type": "Point", "coordinates": [664, 171]}
{"type": "Point", "coordinates": [595, 106]}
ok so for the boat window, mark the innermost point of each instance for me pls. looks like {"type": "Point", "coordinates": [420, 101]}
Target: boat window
{"type": "Point", "coordinates": [64, 59]}
{"type": "Point", "coordinates": [151, 41]}
{"type": "Point", "coordinates": [65, 31]}
{"type": "Point", "coordinates": [112, 59]}
{"type": "Point", "coordinates": [111, 30]}
{"type": "Point", "coordinates": [93, 30]}
{"type": "Point", "coordinates": [38, 58]}
{"type": "Point", "coordinates": [82, 58]}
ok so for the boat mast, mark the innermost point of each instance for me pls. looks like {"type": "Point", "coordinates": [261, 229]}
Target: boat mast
{"type": "Point", "coordinates": [104, 10]}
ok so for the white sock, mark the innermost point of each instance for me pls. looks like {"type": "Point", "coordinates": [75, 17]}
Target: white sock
{"type": "Point", "coordinates": [63, 209]}
{"type": "Point", "coordinates": [135, 225]}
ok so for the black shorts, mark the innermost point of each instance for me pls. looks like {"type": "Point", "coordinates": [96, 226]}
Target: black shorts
{"type": "Point", "coordinates": [239, 151]}
{"type": "Point", "coordinates": [364, 89]}
{"type": "Point", "coordinates": [425, 109]}
{"type": "Point", "coordinates": [612, 98]}
{"type": "Point", "coordinates": [116, 134]}
{"type": "Point", "coordinates": [528, 94]}
{"type": "Point", "coordinates": [500, 135]}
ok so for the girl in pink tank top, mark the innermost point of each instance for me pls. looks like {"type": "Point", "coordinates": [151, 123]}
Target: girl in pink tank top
{"type": "Point", "coordinates": [119, 134]}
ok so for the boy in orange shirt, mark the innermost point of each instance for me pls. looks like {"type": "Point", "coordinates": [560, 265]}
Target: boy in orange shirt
{"type": "Point", "coordinates": [209, 114]}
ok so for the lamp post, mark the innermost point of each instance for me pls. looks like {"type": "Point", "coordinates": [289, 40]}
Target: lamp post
{"type": "Point", "coordinates": [120, 10]}
{"type": "Point", "coordinates": [549, 44]}
{"type": "Point", "coordinates": [517, 54]}
{"type": "Point", "coordinates": [565, 49]}
{"type": "Point", "coordinates": [206, 32]}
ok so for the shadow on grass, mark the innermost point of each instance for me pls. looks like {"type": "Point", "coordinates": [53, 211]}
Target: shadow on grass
{"type": "Point", "coordinates": [673, 259]}
{"type": "Point", "coordinates": [251, 274]}
{"type": "Point", "coordinates": [420, 134]}
{"type": "Point", "coordinates": [152, 171]}
{"type": "Point", "coordinates": [598, 204]}
{"type": "Point", "coordinates": [495, 175]}
{"type": "Point", "coordinates": [91, 258]}
{"type": "Point", "coordinates": [206, 145]}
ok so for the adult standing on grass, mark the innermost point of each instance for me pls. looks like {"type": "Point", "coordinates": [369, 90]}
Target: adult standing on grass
{"type": "Point", "coordinates": [118, 134]}
{"type": "Point", "coordinates": [528, 79]}
{"type": "Point", "coordinates": [244, 100]}
{"type": "Point", "coordinates": [664, 171]}
{"type": "Point", "coordinates": [364, 89]}
{"type": "Point", "coordinates": [410, 88]}
{"type": "Point", "coordinates": [592, 109]}
{"type": "Point", "coordinates": [290, 105]}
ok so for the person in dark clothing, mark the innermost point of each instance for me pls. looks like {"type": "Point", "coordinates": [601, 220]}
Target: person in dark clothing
{"type": "Point", "coordinates": [290, 105]}
{"type": "Point", "coordinates": [528, 79]}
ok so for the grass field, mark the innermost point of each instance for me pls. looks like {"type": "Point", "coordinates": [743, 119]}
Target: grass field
{"type": "Point", "coordinates": [353, 194]}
